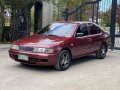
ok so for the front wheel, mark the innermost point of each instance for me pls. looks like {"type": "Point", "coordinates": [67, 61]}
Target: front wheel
{"type": "Point", "coordinates": [64, 60]}
{"type": "Point", "coordinates": [101, 53]}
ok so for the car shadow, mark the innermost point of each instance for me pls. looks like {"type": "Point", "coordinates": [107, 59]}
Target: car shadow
{"type": "Point", "coordinates": [83, 59]}
{"type": "Point", "coordinates": [51, 68]}
{"type": "Point", "coordinates": [37, 68]}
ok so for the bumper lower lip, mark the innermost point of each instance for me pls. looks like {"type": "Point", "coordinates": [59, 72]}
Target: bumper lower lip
{"type": "Point", "coordinates": [35, 58]}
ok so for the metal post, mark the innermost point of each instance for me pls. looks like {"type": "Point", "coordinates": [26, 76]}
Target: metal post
{"type": "Point", "coordinates": [17, 29]}
{"type": "Point", "coordinates": [80, 12]}
{"type": "Point", "coordinates": [97, 13]}
{"type": "Point", "coordinates": [93, 10]}
{"type": "Point", "coordinates": [65, 14]}
{"type": "Point", "coordinates": [76, 16]}
{"type": "Point", "coordinates": [113, 23]}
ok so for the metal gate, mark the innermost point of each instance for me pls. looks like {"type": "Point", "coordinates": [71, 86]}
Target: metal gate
{"type": "Point", "coordinates": [103, 12]}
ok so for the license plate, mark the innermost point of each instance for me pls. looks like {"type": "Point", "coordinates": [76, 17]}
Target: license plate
{"type": "Point", "coordinates": [23, 57]}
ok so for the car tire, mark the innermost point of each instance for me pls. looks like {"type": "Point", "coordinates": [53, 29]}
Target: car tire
{"type": "Point", "coordinates": [101, 53]}
{"type": "Point", "coordinates": [64, 60]}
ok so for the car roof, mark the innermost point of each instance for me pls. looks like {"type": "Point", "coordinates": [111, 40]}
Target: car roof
{"type": "Point", "coordinates": [75, 22]}
{"type": "Point", "coordinates": [78, 22]}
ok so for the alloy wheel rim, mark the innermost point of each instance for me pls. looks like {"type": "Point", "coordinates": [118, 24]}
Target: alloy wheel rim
{"type": "Point", "coordinates": [65, 60]}
{"type": "Point", "coordinates": [103, 51]}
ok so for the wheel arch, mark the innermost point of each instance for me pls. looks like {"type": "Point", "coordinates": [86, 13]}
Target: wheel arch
{"type": "Point", "coordinates": [68, 49]}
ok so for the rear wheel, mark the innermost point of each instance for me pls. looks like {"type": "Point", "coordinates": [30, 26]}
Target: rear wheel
{"type": "Point", "coordinates": [64, 60]}
{"type": "Point", "coordinates": [101, 53]}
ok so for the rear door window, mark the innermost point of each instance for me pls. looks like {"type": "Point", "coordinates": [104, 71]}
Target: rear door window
{"type": "Point", "coordinates": [93, 29]}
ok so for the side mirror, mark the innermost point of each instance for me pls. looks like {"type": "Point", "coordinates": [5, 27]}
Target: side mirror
{"type": "Point", "coordinates": [79, 34]}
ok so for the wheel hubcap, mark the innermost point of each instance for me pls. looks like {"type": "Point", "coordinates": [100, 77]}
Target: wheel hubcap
{"type": "Point", "coordinates": [103, 51]}
{"type": "Point", "coordinates": [65, 59]}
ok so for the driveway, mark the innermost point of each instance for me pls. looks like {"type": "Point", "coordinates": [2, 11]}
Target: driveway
{"type": "Point", "coordinates": [87, 73]}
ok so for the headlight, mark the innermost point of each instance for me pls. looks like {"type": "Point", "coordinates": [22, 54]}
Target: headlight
{"type": "Point", "coordinates": [14, 47]}
{"type": "Point", "coordinates": [43, 50]}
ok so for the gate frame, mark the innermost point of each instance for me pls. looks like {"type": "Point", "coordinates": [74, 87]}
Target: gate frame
{"type": "Point", "coordinates": [113, 23]}
{"type": "Point", "coordinates": [66, 15]}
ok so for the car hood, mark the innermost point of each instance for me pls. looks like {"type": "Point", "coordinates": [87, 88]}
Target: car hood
{"type": "Point", "coordinates": [41, 41]}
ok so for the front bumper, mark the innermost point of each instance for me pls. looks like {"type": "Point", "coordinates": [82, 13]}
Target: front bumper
{"type": "Point", "coordinates": [35, 58]}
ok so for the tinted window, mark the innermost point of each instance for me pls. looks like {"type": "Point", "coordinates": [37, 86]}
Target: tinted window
{"type": "Point", "coordinates": [59, 29]}
{"type": "Point", "coordinates": [83, 29]}
{"type": "Point", "coordinates": [94, 29]}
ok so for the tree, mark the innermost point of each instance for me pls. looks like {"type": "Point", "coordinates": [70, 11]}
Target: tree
{"type": "Point", "coordinates": [105, 18]}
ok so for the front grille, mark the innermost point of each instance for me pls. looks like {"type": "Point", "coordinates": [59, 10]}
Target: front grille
{"type": "Point", "coordinates": [38, 60]}
{"type": "Point", "coordinates": [26, 48]}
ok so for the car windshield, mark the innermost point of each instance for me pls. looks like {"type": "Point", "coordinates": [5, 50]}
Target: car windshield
{"type": "Point", "coordinates": [59, 29]}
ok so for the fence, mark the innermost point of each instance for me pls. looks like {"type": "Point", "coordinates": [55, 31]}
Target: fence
{"type": "Point", "coordinates": [102, 12]}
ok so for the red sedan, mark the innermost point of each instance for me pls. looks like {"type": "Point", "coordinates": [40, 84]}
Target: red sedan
{"type": "Point", "coordinates": [57, 44]}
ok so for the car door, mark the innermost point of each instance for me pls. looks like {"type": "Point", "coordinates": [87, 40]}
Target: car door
{"type": "Point", "coordinates": [96, 35]}
{"type": "Point", "coordinates": [82, 44]}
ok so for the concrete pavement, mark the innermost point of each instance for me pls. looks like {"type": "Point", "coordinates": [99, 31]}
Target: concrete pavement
{"type": "Point", "coordinates": [4, 46]}
{"type": "Point", "coordinates": [87, 73]}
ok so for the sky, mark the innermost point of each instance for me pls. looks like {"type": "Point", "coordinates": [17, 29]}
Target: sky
{"type": "Point", "coordinates": [106, 5]}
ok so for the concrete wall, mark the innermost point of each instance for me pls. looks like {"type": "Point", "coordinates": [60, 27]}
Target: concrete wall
{"type": "Point", "coordinates": [47, 13]}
